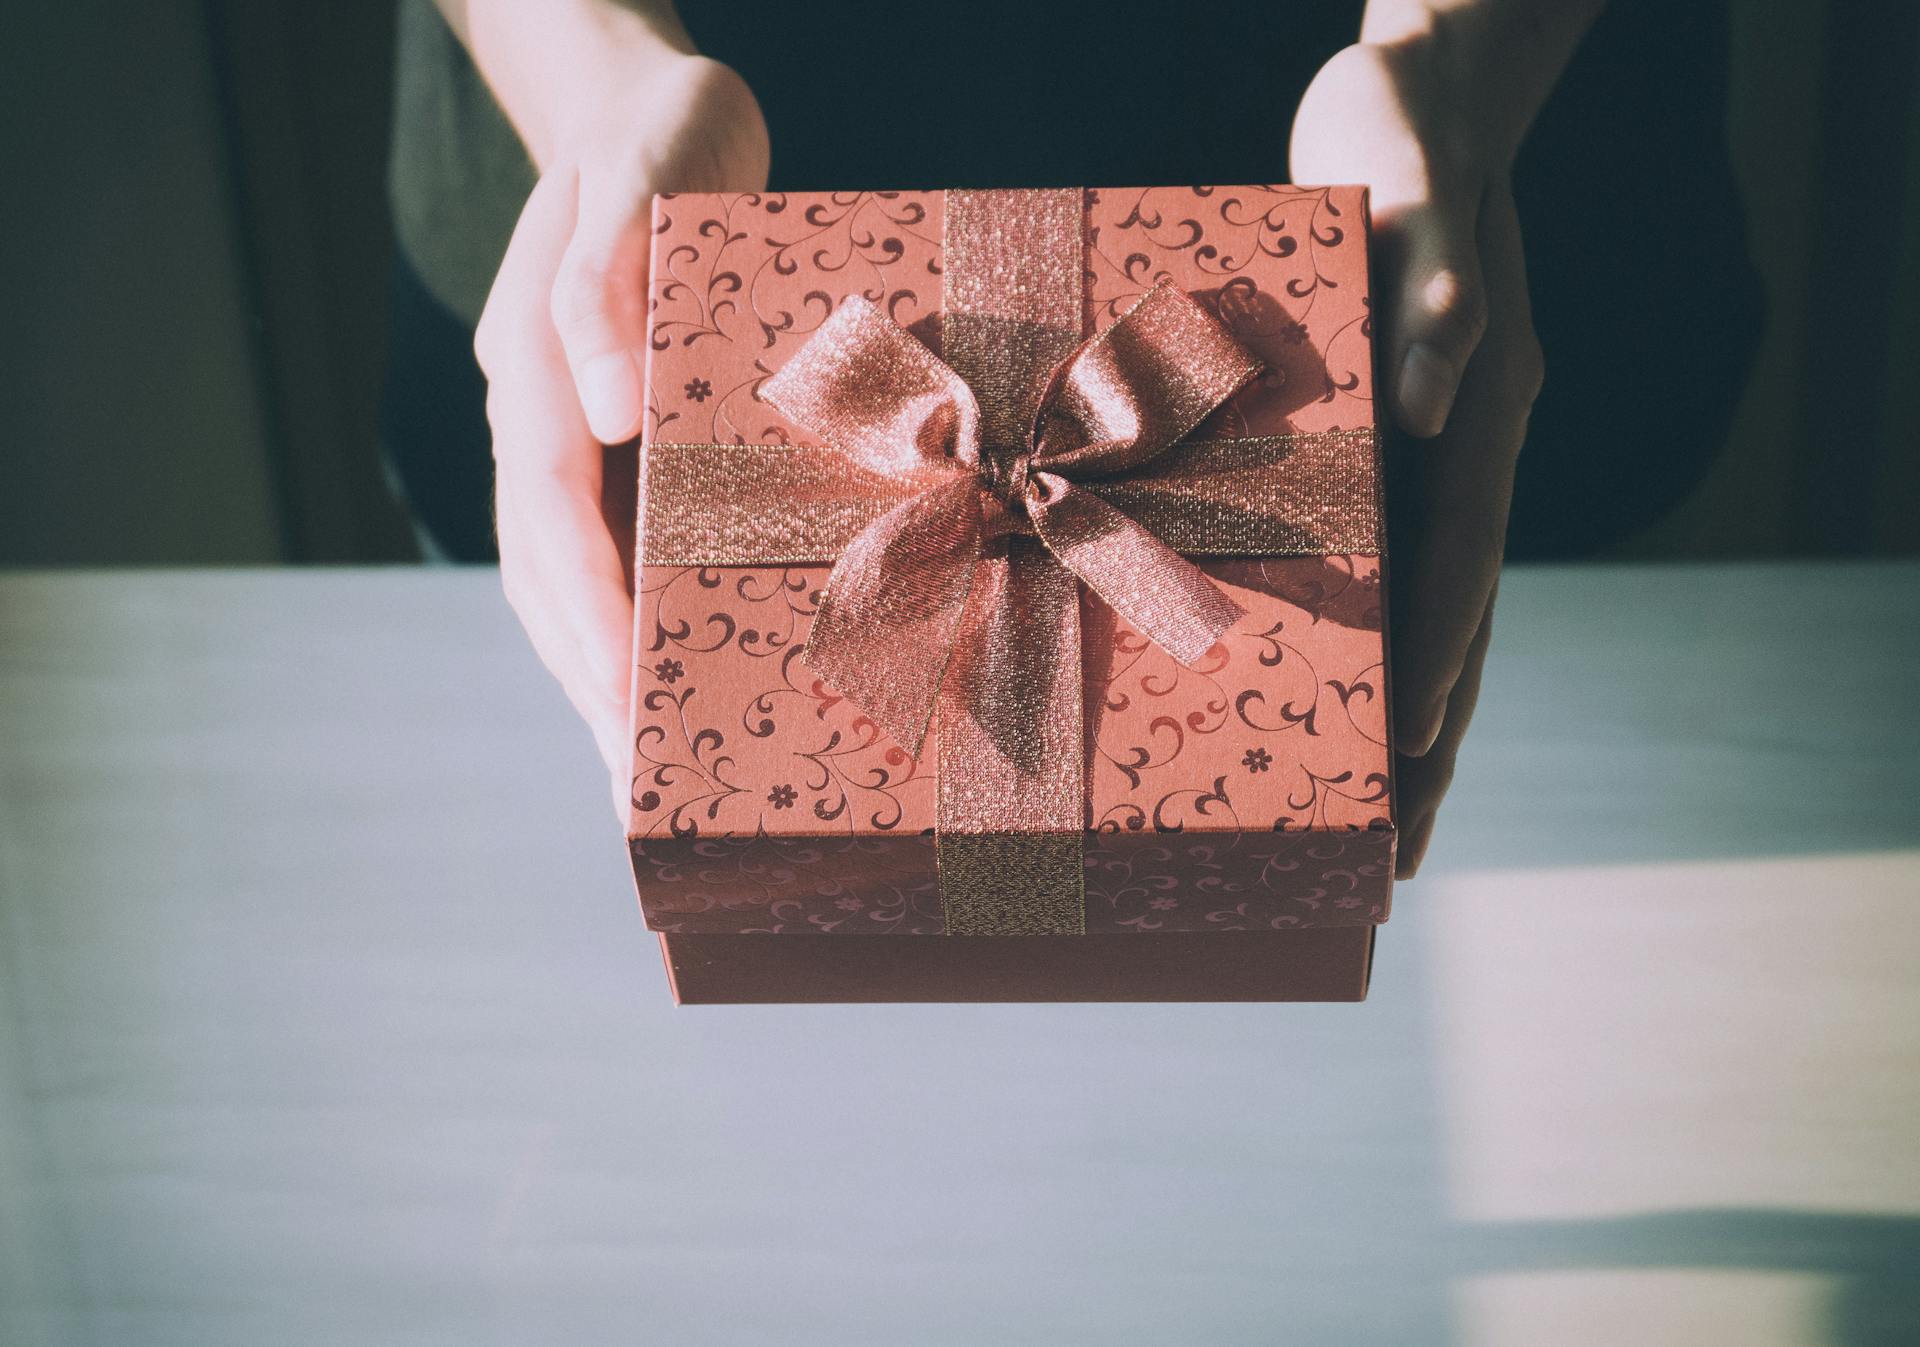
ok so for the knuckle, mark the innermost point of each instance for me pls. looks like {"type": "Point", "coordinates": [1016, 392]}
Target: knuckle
{"type": "Point", "coordinates": [1530, 375]}
{"type": "Point", "coordinates": [578, 302]}
{"type": "Point", "coordinates": [593, 694]}
{"type": "Point", "coordinates": [499, 417]}
{"type": "Point", "coordinates": [1486, 536]}
{"type": "Point", "coordinates": [541, 483]}
{"type": "Point", "coordinates": [1477, 539]}
{"type": "Point", "coordinates": [486, 343]}
{"type": "Point", "coordinates": [609, 688]}
{"type": "Point", "coordinates": [513, 587]}
{"type": "Point", "coordinates": [1454, 302]}
{"type": "Point", "coordinates": [1521, 374]}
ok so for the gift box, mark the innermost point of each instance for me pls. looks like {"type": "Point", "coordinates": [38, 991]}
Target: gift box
{"type": "Point", "coordinates": [1010, 620]}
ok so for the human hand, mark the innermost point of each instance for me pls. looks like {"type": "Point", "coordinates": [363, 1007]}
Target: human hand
{"type": "Point", "coordinates": [562, 343]}
{"type": "Point", "coordinates": [1460, 367]}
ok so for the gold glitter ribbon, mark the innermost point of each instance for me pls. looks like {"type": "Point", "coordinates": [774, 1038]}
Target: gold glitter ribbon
{"type": "Point", "coordinates": [964, 502]}
{"type": "Point", "coordinates": [800, 505]}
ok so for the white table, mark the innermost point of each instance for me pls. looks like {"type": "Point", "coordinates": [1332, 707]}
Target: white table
{"type": "Point", "coordinates": [327, 1018]}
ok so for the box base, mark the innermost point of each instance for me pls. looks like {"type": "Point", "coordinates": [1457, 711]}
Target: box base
{"type": "Point", "coordinates": [1329, 963]}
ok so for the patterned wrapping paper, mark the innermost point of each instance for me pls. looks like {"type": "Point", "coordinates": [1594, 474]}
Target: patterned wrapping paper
{"type": "Point", "coordinates": [1249, 791]}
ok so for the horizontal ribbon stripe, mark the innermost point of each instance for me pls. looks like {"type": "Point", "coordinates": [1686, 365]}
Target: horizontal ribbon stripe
{"type": "Point", "coordinates": [1012, 789]}
{"type": "Point", "coordinates": [800, 505]}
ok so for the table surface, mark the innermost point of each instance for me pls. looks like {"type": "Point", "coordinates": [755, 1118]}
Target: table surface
{"type": "Point", "coordinates": [327, 1018]}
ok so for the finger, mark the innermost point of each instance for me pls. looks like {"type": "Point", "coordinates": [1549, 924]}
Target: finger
{"type": "Point", "coordinates": [1437, 308]}
{"type": "Point", "coordinates": [1450, 498]}
{"type": "Point", "coordinates": [599, 307]}
{"type": "Point", "coordinates": [621, 782]}
{"type": "Point", "coordinates": [570, 592]}
{"type": "Point", "coordinates": [560, 567]}
{"type": "Point", "coordinates": [1422, 782]}
{"type": "Point", "coordinates": [512, 340]}
{"type": "Point", "coordinates": [548, 465]}
{"type": "Point", "coordinates": [596, 687]}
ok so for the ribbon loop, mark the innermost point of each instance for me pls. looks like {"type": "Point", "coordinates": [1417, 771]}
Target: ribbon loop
{"type": "Point", "coordinates": [1134, 390]}
{"type": "Point", "coordinates": [869, 388]}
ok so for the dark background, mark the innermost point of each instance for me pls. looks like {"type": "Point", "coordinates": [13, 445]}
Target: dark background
{"type": "Point", "coordinates": [193, 286]}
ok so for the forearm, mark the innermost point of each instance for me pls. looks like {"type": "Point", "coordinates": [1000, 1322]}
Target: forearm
{"type": "Point", "coordinates": [1501, 57]}
{"type": "Point", "coordinates": [549, 63]}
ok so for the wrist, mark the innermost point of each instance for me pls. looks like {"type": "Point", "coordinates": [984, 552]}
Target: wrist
{"type": "Point", "coordinates": [613, 101]}
{"type": "Point", "coordinates": [1470, 126]}
{"type": "Point", "coordinates": [1484, 67]}
{"type": "Point", "coordinates": [559, 68]}
{"type": "Point", "coordinates": [685, 124]}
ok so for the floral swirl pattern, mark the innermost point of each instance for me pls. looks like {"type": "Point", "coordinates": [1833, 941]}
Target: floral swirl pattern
{"type": "Point", "coordinates": [742, 280]}
{"type": "Point", "coordinates": [1277, 265]}
{"type": "Point", "coordinates": [1248, 791]}
{"type": "Point", "coordinates": [735, 735]}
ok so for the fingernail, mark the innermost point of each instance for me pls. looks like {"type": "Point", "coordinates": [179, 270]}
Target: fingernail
{"type": "Point", "coordinates": [1426, 390]}
{"type": "Point", "coordinates": [1414, 848]}
{"type": "Point", "coordinates": [610, 395]}
{"type": "Point", "coordinates": [1417, 733]}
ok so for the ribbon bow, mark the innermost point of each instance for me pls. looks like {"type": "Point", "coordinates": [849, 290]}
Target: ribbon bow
{"type": "Point", "coordinates": [897, 597]}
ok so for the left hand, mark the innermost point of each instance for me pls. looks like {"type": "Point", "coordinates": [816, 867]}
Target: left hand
{"type": "Point", "coordinates": [563, 343]}
{"type": "Point", "coordinates": [1461, 368]}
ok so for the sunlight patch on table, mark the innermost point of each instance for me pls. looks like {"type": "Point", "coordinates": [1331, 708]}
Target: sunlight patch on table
{"type": "Point", "coordinates": [1668, 1308]}
{"type": "Point", "coordinates": [1640, 1038]}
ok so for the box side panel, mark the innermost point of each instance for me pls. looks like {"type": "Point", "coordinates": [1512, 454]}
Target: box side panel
{"type": "Point", "coordinates": [1146, 882]}
{"type": "Point", "coordinates": [765, 885]}
{"type": "Point", "coordinates": [1322, 964]}
{"type": "Point", "coordinates": [1136, 883]}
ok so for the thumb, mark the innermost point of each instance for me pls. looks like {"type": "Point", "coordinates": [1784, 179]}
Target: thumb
{"type": "Point", "coordinates": [1439, 311]}
{"type": "Point", "coordinates": [599, 309]}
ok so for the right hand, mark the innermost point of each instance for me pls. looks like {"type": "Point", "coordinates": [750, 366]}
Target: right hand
{"type": "Point", "coordinates": [562, 343]}
{"type": "Point", "coordinates": [1464, 367]}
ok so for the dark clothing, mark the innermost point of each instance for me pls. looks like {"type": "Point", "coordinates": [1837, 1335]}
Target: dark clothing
{"type": "Point", "coordinates": [433, 419]}
{"type": "Point", "coordinates": [1646, 304]}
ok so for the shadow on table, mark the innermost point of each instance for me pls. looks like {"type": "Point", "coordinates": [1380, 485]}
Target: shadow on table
{"type": "Point", "coordinates": [1876, 1257]}
{"type": "Point", "coordinates": [1637, 714]}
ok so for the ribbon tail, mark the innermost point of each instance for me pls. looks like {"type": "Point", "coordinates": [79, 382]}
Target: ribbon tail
{"type": "Point", "coordinates": [1012, 803]}
{"type": "Point", "coordinates": [886, 623]}
{"type": "Point", "coordinates": [1170, 600]}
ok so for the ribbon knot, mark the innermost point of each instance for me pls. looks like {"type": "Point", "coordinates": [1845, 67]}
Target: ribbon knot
{"type": "Point", "coordinates": [1004, 483]}
{"type": "Point", "coordinates": [887, 626]}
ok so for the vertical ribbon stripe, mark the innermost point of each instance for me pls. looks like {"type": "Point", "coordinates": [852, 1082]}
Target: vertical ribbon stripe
{"type": "Point", "coordinates": [1011, 771]}
{"type": "Point", "coordinates": [1012, 310]}
{"type": "Point", "coordinates": [1012, 797]}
